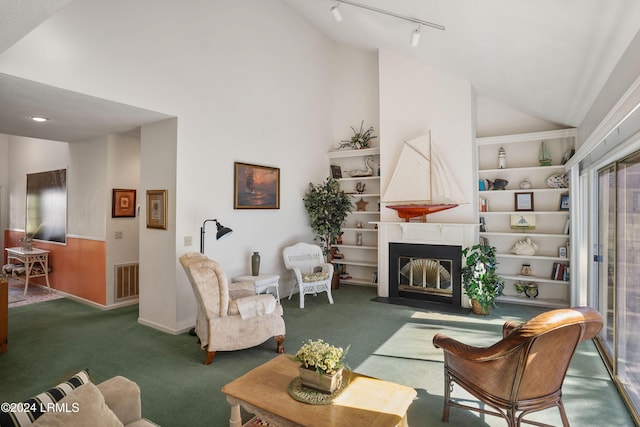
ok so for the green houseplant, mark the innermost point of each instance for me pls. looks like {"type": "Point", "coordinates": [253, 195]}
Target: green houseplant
{"type": "Point", "coordinates": [360, 138]}
{"type": "Point", "coordinates": [481, 282]}
{"type": "Point", "coordinates": [328, 207]}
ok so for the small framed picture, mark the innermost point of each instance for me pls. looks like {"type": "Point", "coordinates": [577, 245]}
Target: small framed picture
{"type": "Point", "coordinates": [336, 172]}
{"type": "Point", "coordinates": [564, 202]}
{"type": "Point", "coordinates": [524, 201]}
{"type": "Point", "coordinates": [123, 203]}
{"type": "Point", "coordinates": [157, 209]}
{"type": "Point", "coordinates": [562, 252]}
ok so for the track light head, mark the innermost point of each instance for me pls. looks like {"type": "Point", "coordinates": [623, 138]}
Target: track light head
{"type": "Point", "coordinates": [415, 36]}
{"type": "Point", "coordinates": [335, 11]}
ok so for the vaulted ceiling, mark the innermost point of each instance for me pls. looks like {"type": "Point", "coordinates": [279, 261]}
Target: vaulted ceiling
{"type": "Point", "coordinates": [545, 58]}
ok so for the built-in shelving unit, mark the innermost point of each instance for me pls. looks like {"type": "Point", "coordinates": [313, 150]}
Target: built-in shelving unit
{"type": "Point", "coordinates": [359, 247]}
{"type": "Point", "coordinates": [552, 227]}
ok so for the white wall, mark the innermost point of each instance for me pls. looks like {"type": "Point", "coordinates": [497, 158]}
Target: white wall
{"type": "Point", "coordinates": [260, 95]}
{"type": "Point", "coordinates": [621, 79]}
{"type": "Point", "coordinates": [416, 98]}
{"type": "Point", "coordinates": [495, 119]}
{"type": "Point", "coordinates": [355, 93]}
{"type": "Point", "coordinates": [29, 155]}
{"type": "Point", "coordinates": [123, 171]}
{"type": "Point", "coordinates": [87, 177]}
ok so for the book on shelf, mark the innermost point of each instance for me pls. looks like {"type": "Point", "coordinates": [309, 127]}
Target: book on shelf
{"type": "Point", "coordinates": [560, 271]}
{"type": "Point", "coordinates": [483, 225]}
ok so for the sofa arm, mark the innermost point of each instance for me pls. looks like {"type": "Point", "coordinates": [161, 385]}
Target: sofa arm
{"type": "Point", "coordinates": [122, 396]}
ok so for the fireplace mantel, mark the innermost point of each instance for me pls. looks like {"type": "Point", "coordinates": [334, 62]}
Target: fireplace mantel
{"type": "Point", "coordinates": [427, 233]}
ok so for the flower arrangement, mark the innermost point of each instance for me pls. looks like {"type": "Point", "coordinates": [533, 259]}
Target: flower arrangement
{"type": "Point", "coordinates": [322, 357]}
{"type": "Point", "coordinates": [481, 282]}
{"type": "Point", "coordinates": [360, 138]}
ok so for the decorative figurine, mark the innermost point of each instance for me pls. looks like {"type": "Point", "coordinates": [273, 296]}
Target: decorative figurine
{"type": "Point", "coordinates": [524, 247]}
{"type": "Point", "coordinates": [543, 155]}
{"type": "Point", "coordinates": [360, 187]}
{"type": "Point", "coordinates": [359, 239]}
{"type": "Point", "coordinates": [526, 270]}
{"type": "Point", "coordinates": [502, 158]}
{"type": "Point", "coordinates": [525, 184]}
{"type": "Point", "coordinates": [531, 290]}
{"type": "Point", "coordinates": [361, 205]}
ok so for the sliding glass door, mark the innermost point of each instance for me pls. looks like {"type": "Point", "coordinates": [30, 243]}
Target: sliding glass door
{"type": "Point", "coordinates": [605, 256]}
{"type": "Point", "coordinates": [619, 270]}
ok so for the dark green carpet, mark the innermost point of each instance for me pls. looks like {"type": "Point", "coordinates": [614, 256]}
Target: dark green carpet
{"type": "Point", "coordinates": [51, 340]}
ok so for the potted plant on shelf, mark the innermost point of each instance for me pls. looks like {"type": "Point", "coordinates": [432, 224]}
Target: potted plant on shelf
{"type": "Point", "coordinates": [321, 365]}
{"type": "Point", "coordinates": [481, 282]}
{"type": "Point", "coordinates": [360, 138]}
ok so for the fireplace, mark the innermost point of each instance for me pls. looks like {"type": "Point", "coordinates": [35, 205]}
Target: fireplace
{"type": "Point", "coordinates": [416, 236]}
{"type": "Point", "coordinates": [425, 272]}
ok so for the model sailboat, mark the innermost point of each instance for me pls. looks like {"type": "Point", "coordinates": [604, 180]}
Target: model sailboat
{"type": "Point", "coordinates": [422, 183]}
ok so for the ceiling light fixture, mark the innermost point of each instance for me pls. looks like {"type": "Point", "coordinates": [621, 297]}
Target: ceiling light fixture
{"type": "Point", "coordinates": [336, 12]}
{"type": "Point", "coordinates": [38, 119]}
{"type": "Point", "coordinates": [385, 12]}
{"type": "Point", "coordinates": [415, 36]}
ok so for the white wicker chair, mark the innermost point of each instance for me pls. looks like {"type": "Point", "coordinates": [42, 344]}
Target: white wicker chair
{"type": "Point", "coordinates": [312, 273]}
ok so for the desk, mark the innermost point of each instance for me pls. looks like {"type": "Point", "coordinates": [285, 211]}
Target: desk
{"type": "Point", "coordinates": [365, 402]}
{"type": "Point", "coordinates": [31, 259]}
{"type": "Point", "coordinates": [262, 282]}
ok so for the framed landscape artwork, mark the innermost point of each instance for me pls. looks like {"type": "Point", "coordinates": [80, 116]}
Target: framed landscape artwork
{"type": "Point", "coordinates": [256, 187]}
{"type": "Point", "coordinates": [123, 203]}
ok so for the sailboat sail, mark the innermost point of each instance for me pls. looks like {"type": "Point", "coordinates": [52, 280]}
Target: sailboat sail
{"type": "Point", "coordinates": [422, 182]}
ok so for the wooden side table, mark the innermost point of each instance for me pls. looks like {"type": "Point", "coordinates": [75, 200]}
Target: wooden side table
{"type": "Point", "coordinates": [30, 259]}
{"type": "Point", "coordinates": [262, 282]}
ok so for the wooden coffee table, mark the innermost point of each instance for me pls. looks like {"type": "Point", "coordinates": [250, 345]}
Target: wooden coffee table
{"type": "Point", "coordinates": [366, 401]}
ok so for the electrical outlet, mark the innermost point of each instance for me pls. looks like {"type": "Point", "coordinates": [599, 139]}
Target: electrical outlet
{"type": "Point", "coordinates": [118, 234]}
{"type": "Point", "coordinates": [188, 241]}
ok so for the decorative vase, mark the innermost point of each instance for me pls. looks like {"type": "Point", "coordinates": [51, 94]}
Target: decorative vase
{"type": "Point", "coordinates": [255, 264]}
{"type": "Point", "coordinates": [476, 308]}
{"type": "Point", "coordinates": [322, 382]}
{"type": "Point", "coordinates": [26, 243]}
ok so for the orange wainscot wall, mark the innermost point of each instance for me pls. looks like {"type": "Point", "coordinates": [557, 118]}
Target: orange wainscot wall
{"type": "Point", "coordinates": [78, 268]}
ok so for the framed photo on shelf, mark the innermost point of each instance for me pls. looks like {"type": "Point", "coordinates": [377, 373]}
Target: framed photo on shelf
{"type": "Point", "coordinates": [564, 202]}
{"type": "Point", "coordinates": [123, 203]}
{"type": "Point", "coordinates": [524, 201]}
{"type": "Point", "coordinates": [336, 171]}
{"type": "Point", "coordinates": [256, 187]}
{"type": "Point", "coordinates": [157, 209]}
{"type": "Point", "coordinates": [523, 222]}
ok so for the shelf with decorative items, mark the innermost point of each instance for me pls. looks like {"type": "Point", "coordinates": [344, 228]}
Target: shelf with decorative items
{"type": "Point", "coordinates": [357, 171]}
{"type": "Point", "coordinates": [523, 212]}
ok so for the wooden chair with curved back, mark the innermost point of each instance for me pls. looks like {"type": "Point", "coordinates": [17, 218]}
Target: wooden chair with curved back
{"type": "Point", "coordinates": [523, 372]}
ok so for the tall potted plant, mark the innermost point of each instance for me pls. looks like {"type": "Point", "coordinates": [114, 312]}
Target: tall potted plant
{"type": "Point", "coordinates": [328, 207]}
{"type": "Point", "coordinates": [481, 282]}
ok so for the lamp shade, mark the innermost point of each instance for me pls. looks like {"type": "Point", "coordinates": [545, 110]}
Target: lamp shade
{"type": "Point", "coordinates": [222, 231]}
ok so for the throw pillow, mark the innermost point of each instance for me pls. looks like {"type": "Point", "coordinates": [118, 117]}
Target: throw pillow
{"type": "Point", "coordinates": [314, 277]}
{"type": "Point", "coordinates": [25, 413]}
{"type": "Point", "coordinates": [84, 406]}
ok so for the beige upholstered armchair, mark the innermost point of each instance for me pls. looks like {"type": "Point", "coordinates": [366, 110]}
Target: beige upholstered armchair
{"type": "Point", "coordinates": [523, 372]}
{"type": "Point", "coordinates": [312, 273]}
{"type": "Point", "coordinates": [230, 316]}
